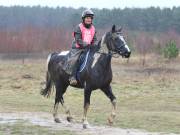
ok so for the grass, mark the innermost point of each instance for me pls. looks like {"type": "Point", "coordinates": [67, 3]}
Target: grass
{"type": "Point", "coordinates": [23, 128]}
{"type": "Point", "coordinates": [147, 97]}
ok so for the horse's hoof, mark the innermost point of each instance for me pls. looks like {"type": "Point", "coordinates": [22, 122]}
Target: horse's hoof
{"type": "Point", "coordinates": [85, 126]}
{"type": "Point", "coordinates": [57, 120]}
{"type": "Point", "coordinates": [69, 119]}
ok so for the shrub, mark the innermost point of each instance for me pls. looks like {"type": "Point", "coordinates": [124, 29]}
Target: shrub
{"type": "Point", "coordinates": [170, 50]}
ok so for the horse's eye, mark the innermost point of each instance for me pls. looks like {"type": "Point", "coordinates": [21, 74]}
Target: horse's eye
{"type": "Point", "coordinates": [116, 39]}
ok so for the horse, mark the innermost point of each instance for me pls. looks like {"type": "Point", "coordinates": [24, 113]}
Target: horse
{"type": "Point", "coordinates": [97, 74]}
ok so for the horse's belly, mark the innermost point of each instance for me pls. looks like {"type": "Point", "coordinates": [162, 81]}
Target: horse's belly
{"type": "Point", "coordinates": [99, 82]}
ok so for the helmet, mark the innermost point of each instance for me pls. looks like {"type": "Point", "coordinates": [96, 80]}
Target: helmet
{"type": "Point", "coordinates": [87, 13]}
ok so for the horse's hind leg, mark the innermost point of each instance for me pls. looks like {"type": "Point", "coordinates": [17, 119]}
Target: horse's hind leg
{"type": "Point", "coordinates": [55, 113]}
{"type": "Point", "coordinates": [67, 111]}
{"type": "Point", "coordinates": [108, 92]}
{"type": "Point", "coordinates": [60, 90]}
{"type": "Point", "coordinates": [59, 98]}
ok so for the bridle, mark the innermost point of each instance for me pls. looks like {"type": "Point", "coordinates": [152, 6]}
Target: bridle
{"type": "Point", "coordinates": [104, 49]}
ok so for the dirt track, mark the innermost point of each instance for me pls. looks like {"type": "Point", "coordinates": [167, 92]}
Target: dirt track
{"type": "Point", "coordinates": [45, 120]}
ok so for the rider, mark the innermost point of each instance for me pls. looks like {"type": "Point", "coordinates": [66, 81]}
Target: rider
{"type": "Point", "coordinates": [84, 36]}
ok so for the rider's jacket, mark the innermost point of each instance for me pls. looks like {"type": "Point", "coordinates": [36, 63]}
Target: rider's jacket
{"type": "Point", "coordinates": [84, 36]}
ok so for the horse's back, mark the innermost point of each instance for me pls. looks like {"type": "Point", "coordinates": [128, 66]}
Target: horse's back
{"type": "Point", "coordinates": [57, 58]}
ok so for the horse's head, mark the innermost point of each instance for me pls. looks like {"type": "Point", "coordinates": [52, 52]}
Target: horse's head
{"type": "Point", "coordinates": [116, 43]}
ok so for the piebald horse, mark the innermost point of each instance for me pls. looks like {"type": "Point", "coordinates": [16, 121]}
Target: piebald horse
{"type": "Point", "coordinates": [96, 75]}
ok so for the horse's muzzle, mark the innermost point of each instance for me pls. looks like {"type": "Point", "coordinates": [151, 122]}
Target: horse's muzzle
{"type": "Point", "coordinates": [127, 54]}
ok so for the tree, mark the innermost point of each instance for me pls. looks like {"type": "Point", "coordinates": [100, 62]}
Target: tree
{"type": "Point", "coordinates": [171, 51]}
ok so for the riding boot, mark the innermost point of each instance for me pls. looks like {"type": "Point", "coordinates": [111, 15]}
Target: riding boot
{"type": "Point", "coordinates": [73, 80]}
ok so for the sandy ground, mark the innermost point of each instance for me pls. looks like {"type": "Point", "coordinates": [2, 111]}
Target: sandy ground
{"type": "Point", "coordinates": [46, 120]}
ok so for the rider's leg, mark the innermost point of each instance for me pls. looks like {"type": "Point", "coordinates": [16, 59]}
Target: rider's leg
{"type": "Point", "coordinates": [72, 61]}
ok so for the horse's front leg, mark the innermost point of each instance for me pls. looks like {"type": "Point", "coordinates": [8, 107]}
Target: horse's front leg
{"type": "Point", "coordinates": [108, 92]}
{"type": "Point", "coordinates": [87, 95]}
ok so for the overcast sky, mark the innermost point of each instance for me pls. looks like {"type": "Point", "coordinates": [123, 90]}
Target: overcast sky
{"type": "Point", "coordinates": [93, 3]}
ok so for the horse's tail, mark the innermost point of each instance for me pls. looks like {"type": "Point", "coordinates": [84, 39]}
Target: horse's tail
{"type": "Point", "coordinates": [49, 83]}
{"type": "Point", "coordinates": [47, 90]}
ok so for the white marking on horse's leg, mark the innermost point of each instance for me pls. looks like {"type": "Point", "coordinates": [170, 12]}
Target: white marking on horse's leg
{"type": "Point", "coordinates": [113, 112]}
{"type": "Point", "coordinates": [67, 111]}
{"type": "Point", "coordinates": [85, 121]}
{"type": "Point", "coordinates": [55, 113]}
{"type": "Point", "coordinates": [96, 57]}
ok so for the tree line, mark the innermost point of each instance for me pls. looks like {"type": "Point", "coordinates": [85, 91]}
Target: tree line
{"type": "Point", "coordinates": [148, 19]}
{"type": "Point", "coordinates": [43, 29]}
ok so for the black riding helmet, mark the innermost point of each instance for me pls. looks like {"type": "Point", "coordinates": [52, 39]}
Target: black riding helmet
{"type": "Point", "coordinates": [87, 13]}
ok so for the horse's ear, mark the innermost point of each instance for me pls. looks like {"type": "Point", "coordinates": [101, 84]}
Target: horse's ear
{"type": "Point", "coordinates": [113, 28]}
{"type": "Point", "coordinates": [120, 29]}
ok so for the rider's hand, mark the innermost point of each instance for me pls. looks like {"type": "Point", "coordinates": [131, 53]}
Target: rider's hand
{"type": "Point", "coordinates": [91, 46]}
{"type": "Point", "coordinates": [85, 46]}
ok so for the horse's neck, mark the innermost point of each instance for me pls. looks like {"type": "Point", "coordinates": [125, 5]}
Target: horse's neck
{"type": "Point", "coordinates": [102, 56]}
{"type": "Point", "coordinates": [106, 61]}
{"type": "Point", "coordinates": [103, 46]}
